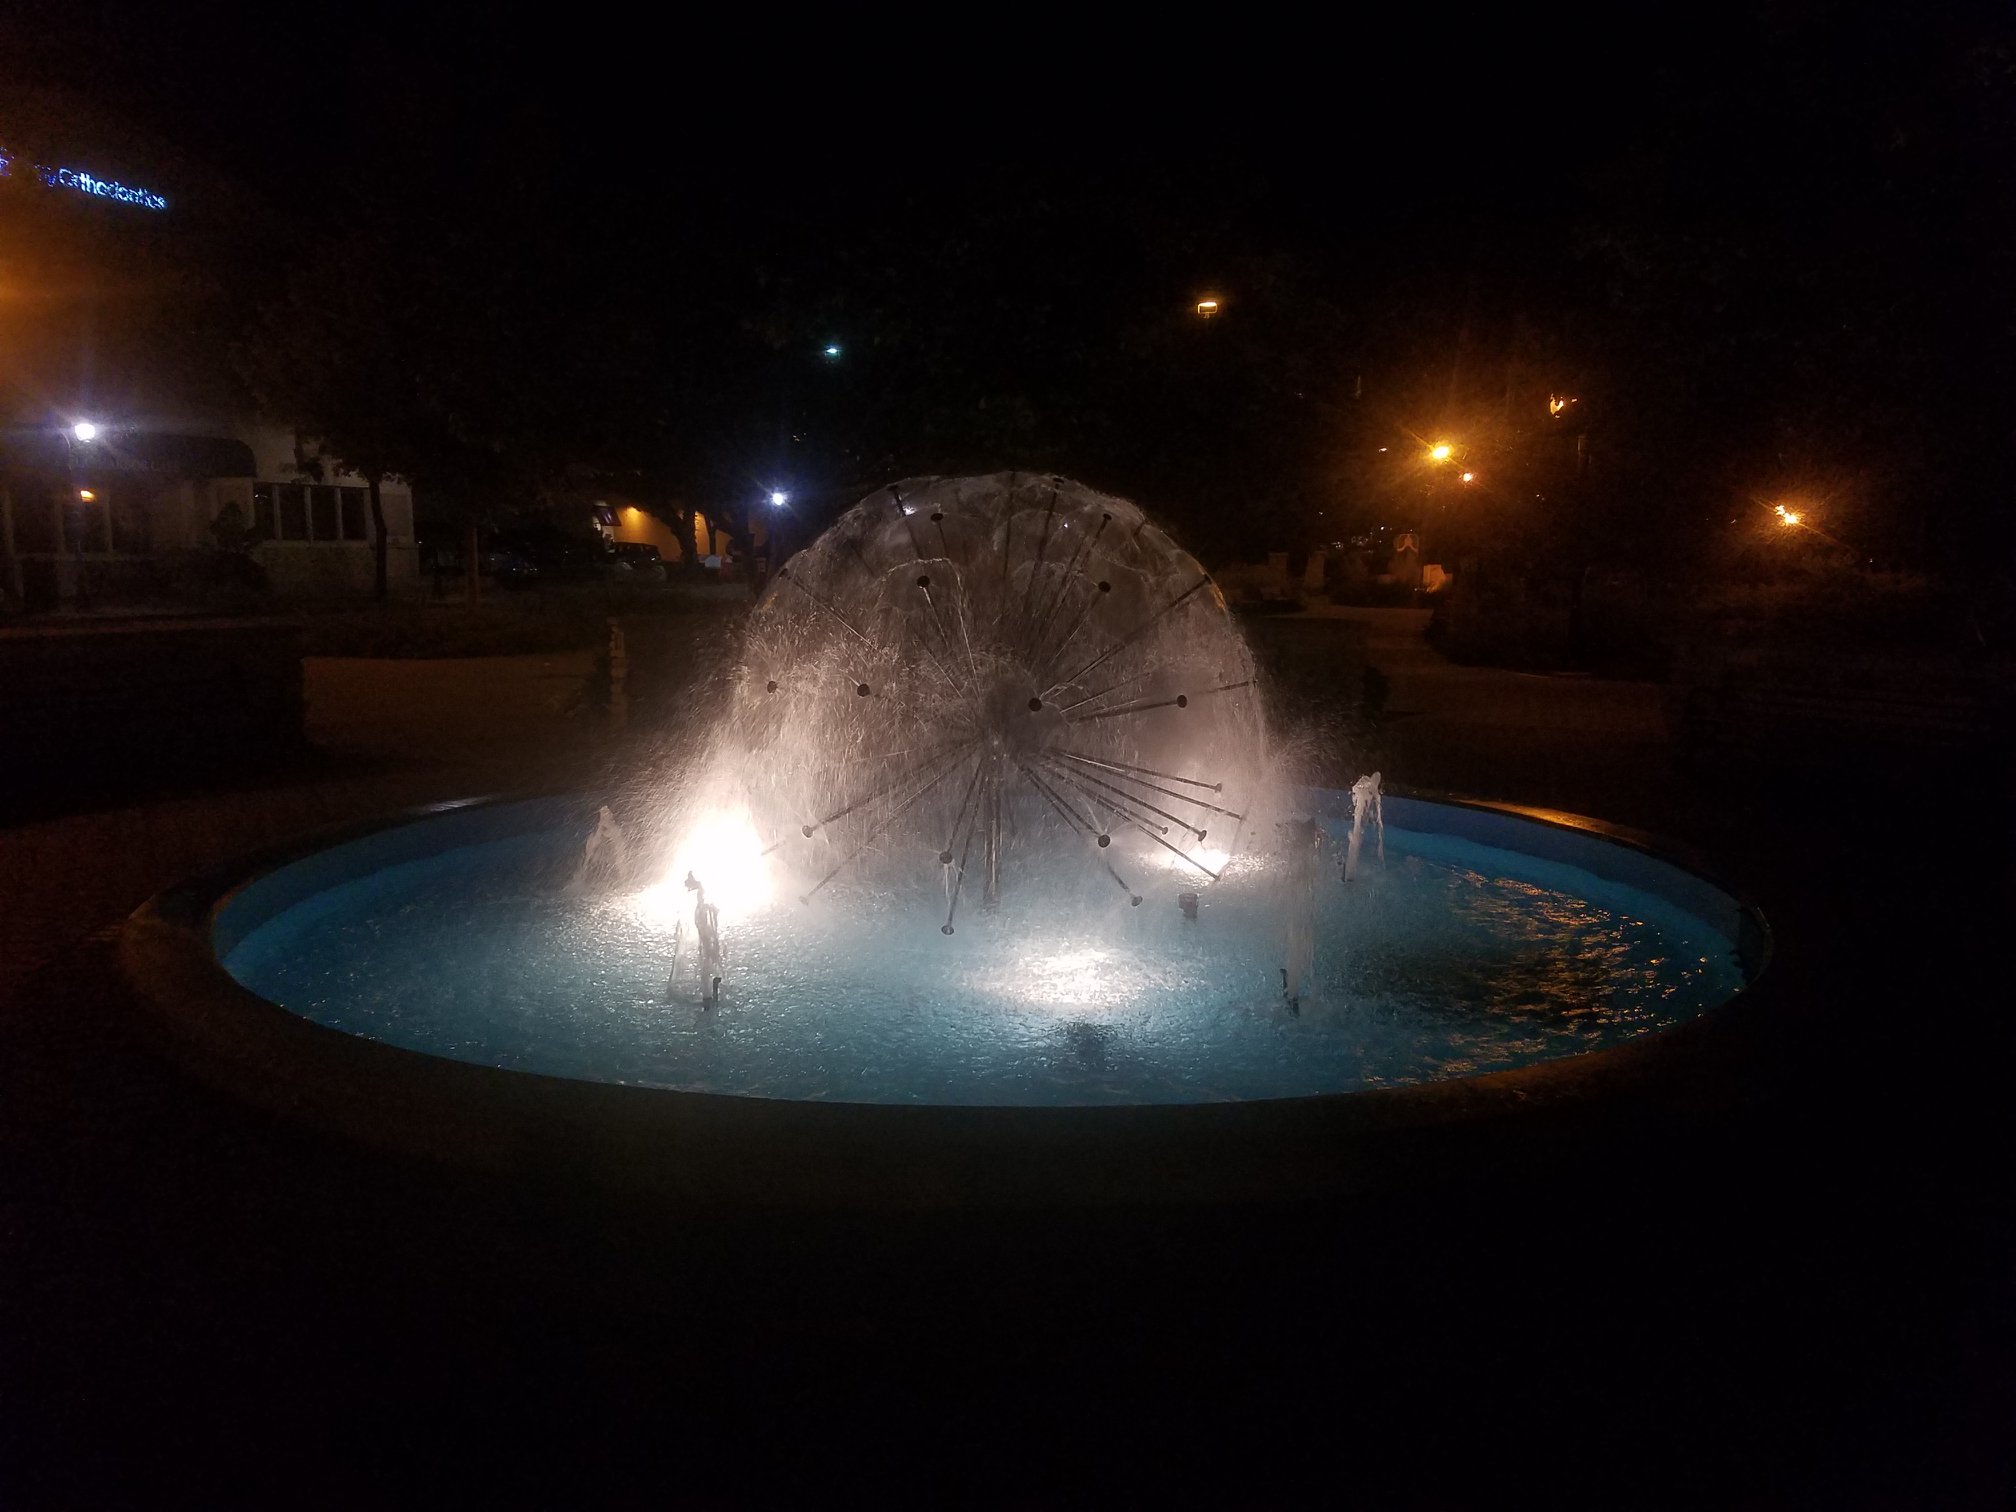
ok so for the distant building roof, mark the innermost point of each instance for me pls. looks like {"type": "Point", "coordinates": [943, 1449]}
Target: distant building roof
{"type": "Point", "coordinates": [128, 451]}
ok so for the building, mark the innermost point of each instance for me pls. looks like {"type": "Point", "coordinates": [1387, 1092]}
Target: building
{"type": "Point", "coordinates": [129, 467]}
{"type": "Point", "coordinates": [94, 510]}
{"type": "Point", "coordinates": [619, 521]}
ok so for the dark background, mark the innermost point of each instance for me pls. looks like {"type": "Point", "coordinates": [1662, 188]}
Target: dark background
{"type": "Point", "coordinates": [1766, 248]}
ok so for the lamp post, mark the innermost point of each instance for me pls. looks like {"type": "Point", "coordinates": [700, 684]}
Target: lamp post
{"type": "Point", "coordinates": [84, 432]}
{"type": "Point", "coordinates": [780, 502]}
{"type": "Point", "coordinates": [1437, 454]}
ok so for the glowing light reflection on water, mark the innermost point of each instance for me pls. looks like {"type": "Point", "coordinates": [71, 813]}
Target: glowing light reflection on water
{"type": "Point", "coordinates": [1065, 994]}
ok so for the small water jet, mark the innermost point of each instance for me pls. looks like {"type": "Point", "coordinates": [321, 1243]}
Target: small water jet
{"type": "Point", "coordinates": [606, 856]}
{"type": "Point", "coordinates": [1365, 810]}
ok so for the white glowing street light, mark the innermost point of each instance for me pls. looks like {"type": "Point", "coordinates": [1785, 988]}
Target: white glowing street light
{"type": "Point", "coordinates": [779, 498]}
{"type": "Point", "coordinates": [84, 432]}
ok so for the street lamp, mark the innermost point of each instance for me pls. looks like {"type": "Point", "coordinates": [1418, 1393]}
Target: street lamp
{"type": "Point", "coordinates": [1441, 451]}
{"type": "Point", "coordinates": [1208, 306]}
{"type": "Point", "coordinates": [83, 432]}
{"type": "Point", "coordinates": [779, 498]}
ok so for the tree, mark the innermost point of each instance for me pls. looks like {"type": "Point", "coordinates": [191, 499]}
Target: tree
{"type": "Point", "coordinates": [332, 358]}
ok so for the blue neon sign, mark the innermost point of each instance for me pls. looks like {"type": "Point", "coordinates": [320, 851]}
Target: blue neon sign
{"type": "Point", "coordinates": [85, 183]}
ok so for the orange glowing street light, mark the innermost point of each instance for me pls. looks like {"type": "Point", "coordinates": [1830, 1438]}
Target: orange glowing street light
{"type": "Point", "coordinates": [1208, 306]}
{"type": "Point", "coordinates": [1469, 477]}
{"type": "Point", "coordinates": [86, 495]}
{"type": "Point", "coordinates": [1788, 517]}
{"type": "Point", "coordinates": [1441, 451]}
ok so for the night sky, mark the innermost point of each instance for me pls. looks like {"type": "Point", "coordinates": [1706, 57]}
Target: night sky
{"type": "Point", "coordinates": [1772, 245]}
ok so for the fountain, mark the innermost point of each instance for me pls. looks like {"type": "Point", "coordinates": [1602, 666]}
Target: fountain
{"type": "Point", "coordinates": [961, 666]}
{"type": "Point", "coordinates": [991, 820]}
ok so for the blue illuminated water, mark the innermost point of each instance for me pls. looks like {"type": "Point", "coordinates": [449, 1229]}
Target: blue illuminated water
{"type": "Point", "coordinates": [1455, 958]}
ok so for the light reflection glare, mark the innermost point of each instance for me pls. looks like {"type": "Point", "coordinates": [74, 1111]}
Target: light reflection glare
{"type": "Point", "coordinates": [722, 850]}
{"type": "Point", "coordinates": [1065, 979]}
{"type": "Point", "coordinates": [1204, 855]}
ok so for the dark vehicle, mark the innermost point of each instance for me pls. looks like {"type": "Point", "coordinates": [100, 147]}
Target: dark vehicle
{"type": "Point", "coordinates": [511, 569]}
{"type": "Point", "coordinates": [520, 557]}
{"type": "Point", "coordinates": [636, 562]}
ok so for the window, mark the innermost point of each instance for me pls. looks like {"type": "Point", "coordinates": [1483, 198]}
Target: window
{"type": "Point", "coordinates": [310, 512]}
{"type": "Point", "coordinates": [293, 499]}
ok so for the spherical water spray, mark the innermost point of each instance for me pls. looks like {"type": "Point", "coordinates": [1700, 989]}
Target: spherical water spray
{"type": "Point", "coordinates": [996, 678]}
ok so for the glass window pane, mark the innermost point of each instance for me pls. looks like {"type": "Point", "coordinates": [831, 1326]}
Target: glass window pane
{"type": "Point", "coordinates": [323, 513]}
{"type": "Point", "coordinates": [293, 512]}
{"type": "Point", "coordinates": [355, 501]}
{"type": "Point", "coordinates": [262, 510]}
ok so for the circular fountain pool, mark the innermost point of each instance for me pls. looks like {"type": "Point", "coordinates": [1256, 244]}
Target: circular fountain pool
{"type": "Point", "coordinates": [983, 877]}
{"type": "Point", "coordinates": [1495, 958]}
{"type": "Point", "coordinates": [1482, 943]}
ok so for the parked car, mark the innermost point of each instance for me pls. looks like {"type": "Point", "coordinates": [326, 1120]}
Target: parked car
{"type": "Point", "coordinates": [637, 562]}
{"type": "Point", "coordinates": [520, 557]}
{"type": "Point", "coordinates": [511, 568]}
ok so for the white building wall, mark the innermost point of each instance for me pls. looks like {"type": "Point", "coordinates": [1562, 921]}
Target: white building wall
{"type": "Point", "coordinates": [318, 567]}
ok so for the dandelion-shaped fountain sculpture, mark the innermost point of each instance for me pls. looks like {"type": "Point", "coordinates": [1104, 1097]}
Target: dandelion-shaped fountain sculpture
{"type": "Point", "coordinates": [997, 676]}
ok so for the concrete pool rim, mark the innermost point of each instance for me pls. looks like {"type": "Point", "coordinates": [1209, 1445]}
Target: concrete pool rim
{"type": "Point", "coordinates": [715, 1149]}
